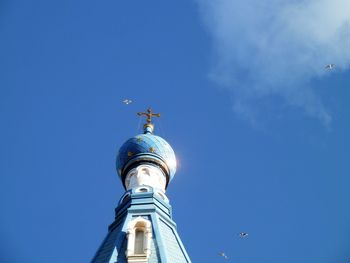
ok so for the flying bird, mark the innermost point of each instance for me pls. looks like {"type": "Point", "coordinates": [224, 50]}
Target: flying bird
{"type": "Point", "coordinates": [222, 254]}
{"type": "Point", "coordinates": [126, 101]}
{"type": "Point", "coordinates": [330, 66]}
{"type": "Point", "coordinates": [243, 234]}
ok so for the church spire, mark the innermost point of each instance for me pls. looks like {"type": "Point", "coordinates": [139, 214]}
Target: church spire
{"type": "Point", "coordinates": [143, 230]}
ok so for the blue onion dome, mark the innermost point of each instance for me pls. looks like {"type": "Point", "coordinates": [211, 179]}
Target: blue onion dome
{"type": "Point", "coordinates": [146, 148]}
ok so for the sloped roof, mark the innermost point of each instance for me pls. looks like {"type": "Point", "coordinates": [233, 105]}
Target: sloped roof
{"type": "Point", "coordinates": [166, 245]}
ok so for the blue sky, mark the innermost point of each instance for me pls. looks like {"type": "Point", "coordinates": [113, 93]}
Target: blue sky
{"type": "Point", "coordinates": [259, 127]}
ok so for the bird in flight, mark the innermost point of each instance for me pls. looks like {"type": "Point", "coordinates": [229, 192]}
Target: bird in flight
{"type": "Point", "coordinates": [222, 254]}
{"type": "Point", "coordinates": [330, 66]}
{"type": "Point", "coordinates": [126, 101]}
{"type": "Point", "coordinates": [243, 234]}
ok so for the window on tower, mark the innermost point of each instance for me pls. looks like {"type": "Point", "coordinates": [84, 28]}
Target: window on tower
{"type": "Point", "coordinates": [139, 235]}
{"type": "Point", "coordinates": [142, 190]}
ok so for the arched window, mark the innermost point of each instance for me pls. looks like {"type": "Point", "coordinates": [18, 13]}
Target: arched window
{"type": "Point", "coordinates": [142, 190]}
{"type": "Point", "coordinates": [139, 234]}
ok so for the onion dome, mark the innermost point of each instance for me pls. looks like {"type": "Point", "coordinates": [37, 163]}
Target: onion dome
{"type": "Point", "coordinates": [146, 148]}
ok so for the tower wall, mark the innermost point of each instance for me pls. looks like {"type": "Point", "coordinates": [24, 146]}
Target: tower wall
{"type": "Point", "coordinates": [165, 243]}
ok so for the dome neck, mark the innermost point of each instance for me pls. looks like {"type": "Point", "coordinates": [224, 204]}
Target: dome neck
{"type": "Point", "coordinates": [146, 174]}
{"type": "Point", "coordinates": [148, 128]}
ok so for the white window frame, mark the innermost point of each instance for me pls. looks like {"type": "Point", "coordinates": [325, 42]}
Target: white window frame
{"type": "Point", "coordinates": [139, 224]}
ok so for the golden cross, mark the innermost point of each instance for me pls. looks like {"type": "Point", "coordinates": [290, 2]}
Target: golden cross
{"type": "Point", "coordinates": [149, 114]}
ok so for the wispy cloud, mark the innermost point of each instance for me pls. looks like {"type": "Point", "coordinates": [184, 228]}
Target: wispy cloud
{"type": "Point", "coordinates": [273, 48]}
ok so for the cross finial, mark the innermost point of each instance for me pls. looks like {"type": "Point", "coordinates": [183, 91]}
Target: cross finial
{"type": "Point", "coordinates": [149, 114]}
{"type": "Point", "coordinates": [148, 127]}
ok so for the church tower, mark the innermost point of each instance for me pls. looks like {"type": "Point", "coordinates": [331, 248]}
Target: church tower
{"type": "Point", "coordinates": [143, 230]}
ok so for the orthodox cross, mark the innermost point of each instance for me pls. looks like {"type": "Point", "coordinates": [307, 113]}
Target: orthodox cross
{"type": "Point", "coordinates": [149, 114]}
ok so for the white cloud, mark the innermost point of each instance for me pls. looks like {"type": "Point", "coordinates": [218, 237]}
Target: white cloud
{"type": "Point", "coordinates": [275, 48]}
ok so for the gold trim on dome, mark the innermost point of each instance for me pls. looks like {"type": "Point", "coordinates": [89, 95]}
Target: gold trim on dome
{"type": "Point", "coordinates": [152, 150]}
{"type": "Point", "coordinates": [130, 154]}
